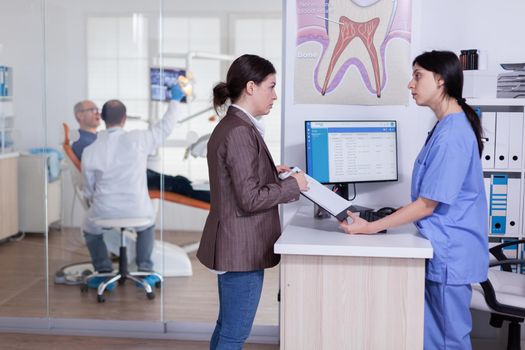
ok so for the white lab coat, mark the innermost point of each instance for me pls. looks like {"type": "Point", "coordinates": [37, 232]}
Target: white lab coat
{"type": "Point", "coordinates": [114, 171]}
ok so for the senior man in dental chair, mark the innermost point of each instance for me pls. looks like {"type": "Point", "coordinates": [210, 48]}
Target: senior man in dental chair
{"type": "Point", "coordinates": [114, 173]}
{"type": "Point", "coordinates": [88, 118]}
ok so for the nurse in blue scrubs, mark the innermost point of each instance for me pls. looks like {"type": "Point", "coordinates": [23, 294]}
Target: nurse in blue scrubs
{"type": "Point", "coordinates": [448, 201]}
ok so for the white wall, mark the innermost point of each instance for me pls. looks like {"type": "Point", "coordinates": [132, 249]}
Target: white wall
{"type": "Point", "coordinates": [22, 49]}
{"type": "Point", "coordinates": [42, 103]}
{"type": "Point", "coordinates": [443, 24]}
{"type": "Point", "coordinates": [495, 27]}
{"type": "Point", "coordinates": [412, 124]}
{"type": "Point", "coordinates": [436, 24]}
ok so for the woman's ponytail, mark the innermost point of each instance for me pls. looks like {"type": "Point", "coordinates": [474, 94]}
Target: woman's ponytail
{"type": "Point", "coordinates": [221, 93]}
{"type": "Point", "coordinates": [474, 121]}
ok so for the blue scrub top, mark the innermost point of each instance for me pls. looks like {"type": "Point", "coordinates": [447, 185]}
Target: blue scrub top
{"type": "Point", "coordinates": [448, 170]}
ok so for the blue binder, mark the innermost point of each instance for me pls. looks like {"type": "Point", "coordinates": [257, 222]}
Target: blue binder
{"type": "Point", "coordinates": [498, 203]}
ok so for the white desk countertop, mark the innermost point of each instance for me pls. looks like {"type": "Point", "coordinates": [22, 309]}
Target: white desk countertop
{"type": "Point", "coordinates": [305, 235]}
{"type": "Point", "coordinates": [9, 155]}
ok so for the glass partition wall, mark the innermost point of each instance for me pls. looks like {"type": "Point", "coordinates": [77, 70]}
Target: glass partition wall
{"type": "Point", "coordinates": [67, 51]}
{"type": "Point", "coordinates": [23, 124]}
{"type": "Point", "coordinates": [96, 51]}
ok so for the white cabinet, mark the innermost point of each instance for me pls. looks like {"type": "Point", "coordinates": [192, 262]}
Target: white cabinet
{"type": "Point", "coordinates": [33, 187]}
{"type": "Point", "coordinates": [8, 195]}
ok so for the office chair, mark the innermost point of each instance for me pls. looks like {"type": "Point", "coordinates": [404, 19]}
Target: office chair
{"type": "Point", "coordinates": [123, 274]}
{"type": "Point", "coordinates": [503, 294]}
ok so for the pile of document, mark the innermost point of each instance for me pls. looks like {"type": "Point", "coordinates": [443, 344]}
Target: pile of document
{"type": "Point", "coordinates": [512, 84]}
{"type": "Point", "coordinates": [5, 81]}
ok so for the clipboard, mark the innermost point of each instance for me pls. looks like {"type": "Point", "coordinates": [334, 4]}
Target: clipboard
{"type": "Point", "coordinates": [323, 197]}
{"type": "Point", "coordinates": [330, 201]}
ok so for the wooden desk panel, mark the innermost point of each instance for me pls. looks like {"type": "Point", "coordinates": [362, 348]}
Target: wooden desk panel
{"type": "Point", "coordinates": [334, 302]}
{"type": "Point", "coordinates": [8, 197]}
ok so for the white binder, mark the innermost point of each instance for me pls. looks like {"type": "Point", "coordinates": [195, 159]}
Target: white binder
{"type": "Point", "coordinates": [513, 206]}
{"type": "Point", "coordinates": [515, 139]}
{"type": "Point", "coordinates": [502, 140]}
{"type": "Point", "coordinates": [488, 122]}
{"type": "Point", "coordinates": [486, 181]}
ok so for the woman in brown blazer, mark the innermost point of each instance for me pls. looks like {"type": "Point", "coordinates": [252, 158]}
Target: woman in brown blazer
{"type": "Point", "coordinates": [243, 224]}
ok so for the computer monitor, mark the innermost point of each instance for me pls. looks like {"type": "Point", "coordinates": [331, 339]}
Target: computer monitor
{"type": "Point", "coordinates": [161, 82]}
{"type": "Point", "coordinates": [342, 152]}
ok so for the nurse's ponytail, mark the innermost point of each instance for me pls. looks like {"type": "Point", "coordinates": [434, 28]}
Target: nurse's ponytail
{"type": "Point", "coordinates": [474, 121]}
{"type": "Point", "coordinates": [447, 65]}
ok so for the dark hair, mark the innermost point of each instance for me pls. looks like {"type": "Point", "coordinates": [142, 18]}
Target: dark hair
{"type": "Point", "coordinates": [447, 65]}
{"type": "Point", "coordinates": [113, 112]}
{"type": "Point", "coordinates": [244, 69]}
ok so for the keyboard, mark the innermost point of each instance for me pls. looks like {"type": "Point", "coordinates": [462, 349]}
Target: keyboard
{"type": "Point", "coordinates": [370, 215]}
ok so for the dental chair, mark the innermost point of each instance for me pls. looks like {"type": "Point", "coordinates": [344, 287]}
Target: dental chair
{"type": "Point", "coordinates": [74, 163]}
{"type": "Point", "coordinates": [176, 261]}
{"type": "Point", "coordinates": [503, 294]}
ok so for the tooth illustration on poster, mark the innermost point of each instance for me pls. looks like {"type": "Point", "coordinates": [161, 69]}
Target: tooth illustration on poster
{"type": "Point", "coordinates": [345, 52]}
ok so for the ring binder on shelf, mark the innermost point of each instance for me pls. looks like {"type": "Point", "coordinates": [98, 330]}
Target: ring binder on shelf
{"type": "Point", "coordinates": [498, 203]}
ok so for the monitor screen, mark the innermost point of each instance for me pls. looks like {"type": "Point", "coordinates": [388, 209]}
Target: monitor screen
{"type": "Point", "coordinates": [351, 151]}
{"type": "Point", "coordinates": [160, 84]}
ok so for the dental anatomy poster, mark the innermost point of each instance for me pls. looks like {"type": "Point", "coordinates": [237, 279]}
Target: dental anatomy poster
{"type": "Point", "coordinates": [352, 52]}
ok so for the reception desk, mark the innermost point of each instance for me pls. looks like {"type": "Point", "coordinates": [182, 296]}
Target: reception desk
{"type": "Point", "coordinates": [342, 291]}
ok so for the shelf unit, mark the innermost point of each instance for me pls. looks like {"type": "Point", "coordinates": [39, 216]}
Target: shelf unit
{"type": "Point", "coordinates": [6, 110]}
{"type": "Point", "coordinates": [9, 220]}
{"type": "Point", "coordinates": [503, 122]}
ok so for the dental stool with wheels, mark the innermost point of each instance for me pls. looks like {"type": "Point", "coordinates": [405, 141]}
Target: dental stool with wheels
{"type": "Point", "coordinates": [123, 274]}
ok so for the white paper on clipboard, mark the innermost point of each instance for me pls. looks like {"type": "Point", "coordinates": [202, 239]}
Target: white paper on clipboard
{"type": "Point", "coordinates": [326, 199]}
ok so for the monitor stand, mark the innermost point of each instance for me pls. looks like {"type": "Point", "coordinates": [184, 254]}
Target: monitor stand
{"type": "Point", "coordinates": [320, 213]}
{"type": "Point", "coordinates": [341, 189]}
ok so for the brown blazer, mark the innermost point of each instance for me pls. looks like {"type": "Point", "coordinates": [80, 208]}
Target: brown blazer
{"type": "Point", "coordinates": [243, 223]}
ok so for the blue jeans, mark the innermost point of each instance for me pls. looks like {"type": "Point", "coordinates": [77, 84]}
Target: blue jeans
{"type": "Point", "coordinates": [99, 252]}
{"type": "Point", "coordinates": [239, 294]}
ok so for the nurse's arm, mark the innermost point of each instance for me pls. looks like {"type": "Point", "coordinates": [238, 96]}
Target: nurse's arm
{"type": "Point", "coordinates": [418, 209]}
